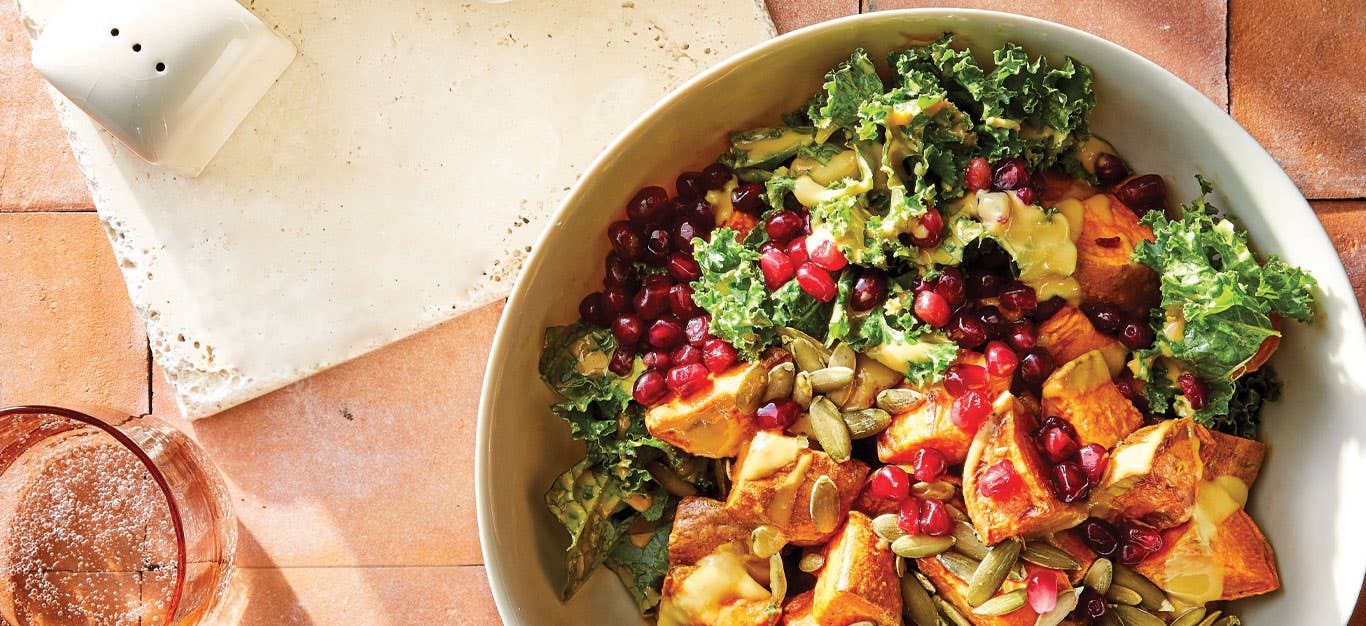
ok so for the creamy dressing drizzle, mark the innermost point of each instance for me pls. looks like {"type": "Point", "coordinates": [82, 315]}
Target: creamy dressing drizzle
{"type": "Point", "coordinates": [718, 580]}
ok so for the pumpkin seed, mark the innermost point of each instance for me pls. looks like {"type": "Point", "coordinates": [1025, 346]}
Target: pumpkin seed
{"type": "Point", "coordinates": [887, 527]}
{"type": "Point", "coordinates": [777, 578]}
{"type": "Point", "coordinates": [987, 580]}
{"type": "Point", "coordinates": [920, 546]}
{"type": "Point", "coordinates": [1099, 575]}
{"type": "Point", "coordinates": [1067, 602]}
{"type": "Point", "coordinates": [721, 469]}
{"type": "Point", "coordinates": [802, 427]}
{"type": "Point", "coordinates": [1134, 616]}
{"type": "Point", "coordinates": [950, 612]}
{"type": "Point", "coordinates": [897, 400]}
{"type": "Point", "coordinates": [801, 389]}
{"type": "Point", "coordinates": [1002, 604]}
{"type": "Point", "coordinates": [867, 422]}
{"type": "Point", "coordinates": [961, 566]}
{"type": "Point", "coordinates": [900, 567]}
{"type": "Point", "coordinates": [1153, 598]}
{"type": "Point", "coordinates": [750, 392]}
{"type": "Point", "coordinates": [670, 480]}
{"type": "Point", "coordinates": [1048, 555]}
{"type": "Point", "coordinates": [825, 504]}
{"type": "Point", "coordinates": [1190, 617]}
{"type": "Point", "coordinates": [956, 513]}
{"type": "Point", "coordinates": [830, 429]}
{"type": "Point", "coordinates": [1228, 620]}
{"type": "Point", "coordinates": [811, 562]}
{"type": "Point", "coordinates": [1211, 618]}
{"type": "Point", "coordinates": [808, 355]}
{"type": "Point", "coordinates": [1109, 619]}
{"type": "Point", "coordinates": [916, 604]}
{"type": "Point", "coordinates": [843, 356]}
{"type": "Point", "coordinates": [968, 542]}
{"type": "Point", "coordinates": [766, 541]}
{"type": "Point", "coordinates": [1017, 572]}
{"type": "Point", "coordinates": [780, 380]}
{"type": "Point", "coordinates": [1123, 595]}
{"type": "Point", "coordinates": [828, 379]}
{"type": "Point", "coordinates": [937, 490]}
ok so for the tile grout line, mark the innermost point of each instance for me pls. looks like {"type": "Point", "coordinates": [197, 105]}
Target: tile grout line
{"type": "Point", "coordinates": [1228, 57]}
{"type": "Point", "coordinates": [150, 381]}
{"type": "Point", "coordinates": [271, 568]}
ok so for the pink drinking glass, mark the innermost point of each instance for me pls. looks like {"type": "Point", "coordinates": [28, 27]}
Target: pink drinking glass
{"type": "Point", "coordinates": [107, 518]}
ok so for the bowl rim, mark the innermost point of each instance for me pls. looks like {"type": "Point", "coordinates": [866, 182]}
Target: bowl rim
{"type": "Point", "coordinates": [497, 576]}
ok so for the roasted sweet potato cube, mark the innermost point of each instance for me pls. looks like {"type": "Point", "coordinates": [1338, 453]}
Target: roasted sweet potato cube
{"type": "Point", "coordinates": [1152, 475]}
{"type": "Point", "coordinates": [701, 527]}
{"type": "Point", "coordinates": [1082, 393]}
{"type": "Point", "coordinates": [858, 582]}
{"type": "Point", "coordinates": [1109, 234]}
{"type": "Point", "coordinates": [928, 425]}
{"type": "Point", "coordinates": [1069, 541]}
{"type": "Point", "coordinates": [1212, 559]}
{"type": "Point", "coordinates": [717, 591]}
{"type": "Point", "coordinates": [1069, 334]}
{"type": "Point", "coordinates": [1228, 455]}
{"type": "Point", "coordinates": [797, 610]}
{"type": "Point", "coordinates": [772, 486]}
{"type": "Point", "coordinates": [709, 423]}
{"type": "Point", "coordinates": [955, 590]}
{"type": "Point", "coordinates": [1030, 509]}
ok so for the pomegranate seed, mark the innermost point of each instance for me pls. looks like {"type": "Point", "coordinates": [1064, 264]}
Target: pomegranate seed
{"type": "Point", "coordinates": [616, 300]}
{"type": "Point", "coordinates": [748, 197]}
{"type": "Point", "coordinates": [698, 330]}
{"type": "Point", "coordinates": [1069, 482]}
{"type": "Point", "coordinates": [999, 479]}
{"type": "Point", "coordinates": [644, 207]}
{"type": "Point", "coordinates": [658, 245]}
{"type": "Point", "coordinates": [623, 361]}
{"type": "Point", "coordinates": [982, 286]}
{"type": "Point", "coordinates": [1106, 317]}
{"type": "Point", "coordinates": [934, 519]}
{"type": "Point", "coordinates": [591, 309]}
{"type": "Point", "coordinates": [1099, 536]}
{"type": "Point", "coordinates": [1035, 367]}
{"type": "Point", "coordinates": [680, 301]}
{"type": "Point", "coordinates": [1050, 307]}
{"type": "Point", "coordinates": [1132, 554]}
{"type": "Point", "coordinates": [923, 283]}
{"type": "Point", "coordinates": [1010, 174]}
{"type": "Point", "coordinates": [1042, 591]}
{"type": "Point", "coordinates": [769, 246]}
{"type": "Point", "coordinates": [656, 360]}
{"type": "Point", "coordinates": [1108, 242]}
{"type": "Point", "coordinates": [932, 224]}
{"type": "Point", "coordinates": [777, 268]}
{"type": "Point", "coordinates": [890, 482]}
{"type": "Point", "coordinates": [627, 329]}
{"type": "Point", "coordinates": [685, 355]}
{"type": "Point", "coordinates": [1110, 169]}
{"type": "Point", "coordinates": [687, 380]}
{"type": "Point", "coordinates": [931, 308]}
{"type": "Point", "coordinates": [1142, 536]}
{"type": "Point", "coordinates": [653, 298]}
{"type": "Point", "coordinates": [718, 355]}
{"type": "Point", "coordinates": [784, 225]}
{"type": "Point", "coordinates": [870, 290]}
{"type": "Point", "coordinates": [687, 229]}
{"type": "Point", "coordinates": [665, 334]}
{"type": "Point", "coordinates": [816, 282]}
{"type": "Point", "coordinates": [1093, 457]}
{"type": "Point", "coordinates": [1197, 394]}
{"type": "Point", "coordinates": [626, 240]}
{"type": "Point", "coordinates": [1092, 604]}
{"type": "Point", "coordinates": [908, 516]}
{"type": "Point", "coordinates": [929, 464]}
{"type": "Point", "coordinates": [1136, 336]}
{"type": "Point", "coordinates": [962, 378]}
{"type": "Point", "coordinates": [683, 268]}
{"type": "Point", "coordinates": [1001, 360]}
{"type": "Point", "coordinates": [951, 286]}
{"type": "Point", "coordinates": [828, 256]}
{"type": "Point", "coordinates": [796, 250]}
{"type": "Point", "coordinates": [1142, 194]}
{"type": "Point", "coordinates": [618, 271]}
{"type": "Point", "coordinates": [1054, 421]}
{"type": "Point", "coordinates": [1020, 297]}
{"type": "Point", "coordinates": [993, 322]}
{"type": "Point", "coordinates": [1056, 444]}
{"type": "Point", "coordinates": [689, 185]}
{"type": "Point", "coordinates": [966, 331]}
{"type": "Point", "coordinates": [1131, 389]}
{"type": "Point", "coordinates": [1025, 194]}
{"type": "Point", "coordinates": [778, 414]}
{"type": "Point", "coordinates": [650, 389]}
{"type": "Point", "coordinates": [969, 411]}
{"type": "Point", "coordinates": [977, 175]}
{"type": "Point", "coordinates": [715, 176]}
{"type": "Point", "coordinates": [1022, 335]}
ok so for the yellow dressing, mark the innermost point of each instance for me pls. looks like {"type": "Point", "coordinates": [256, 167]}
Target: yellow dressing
{"type": "Point", "coordinates": [719, 199]}
{"type": "Point", "coordinates": [1040, 242]}
{"type": "Point", "coordinates": [768, 453]}
{"type": "Point", "coordinates": [718, 580]}
{"type": "Point", "coordinates": [785, 494]}
{"type": "Point", "coordinates": [841, 166]}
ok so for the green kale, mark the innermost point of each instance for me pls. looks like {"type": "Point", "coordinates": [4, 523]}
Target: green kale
{"type": "Point", "coordinates": [846, 88]}
{"type": "Point", "coordinates": [1245, 408]}
{"type": "Point", "coordinates": [766, 148]}
{"type": "Point", "coordinates": [642, 568]}
{"type": "Point", "coordinates": [897, 339]}
{"type": "Point", "coordinates": [586, 501]}
{"type": "Point", "coordinates": [574, 363]}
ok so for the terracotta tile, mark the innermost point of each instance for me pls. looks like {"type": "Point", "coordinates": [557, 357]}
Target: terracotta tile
{"type": "Point", "coordinates": [789, 15]}
{"type": "Point", "coordinates": [37, 171]}
{"type": "Point", "coordinates": [370, 463]}
{"type": "Point", "coordinates": [69, 333]}
{"type": "Point", "coordinates": [1185, 36]}
{"type": "Point", "coordinates": [374, 596]}
{"type": "Point", "coordinates": [1345, 222]}
{"type": "Point", "coordinates": [1297, 86]}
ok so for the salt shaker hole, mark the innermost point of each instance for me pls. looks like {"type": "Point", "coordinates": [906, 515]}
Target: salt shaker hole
{"type": "Point", "coordinates": [137, 47]}
{"type": "Point", "coordinates": [113, 32]}
{"type": "Point", "coordinates": [161, 67]}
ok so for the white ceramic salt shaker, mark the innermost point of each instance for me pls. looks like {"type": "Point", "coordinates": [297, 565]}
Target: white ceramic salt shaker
{"type": "Point", "coordinates": [171, 79]}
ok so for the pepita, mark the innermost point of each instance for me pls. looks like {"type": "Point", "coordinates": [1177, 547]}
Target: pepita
{"type": "Point", "coordinates": [1099, 575]}
{"type": "Point", "coordinates": [920, 546]}
{"type": "Point", "coordinates": [950, 612]}
{"type": "Point", "coordinates": [777, 578]}
{"type": "Point", "coordinates": [887, 527]}
{"type": "Point", "coordinates": [987, 580]}
{"type": "Point", "coordinates": [808, 355]}
{"type": "Point", "coordinates": [1228, 620]}
{"type": "Point", "coordinates": [900, 567]}
{"type": "Point", "coordinates": [959, 565]}
{"type": "Point", "coordinates": [801, 389]}
{"type": "Point", "coordinates": [1002, 604]}
{"type": "Point", "coordinates": [750, 393]}
{"type": "Point", "coordinates": [670, 480]}
{"type": "Point", "coordinates": [867, 422]}
{"type": "Point", "coordinates": [828, 379]}
{"type": "Point", "coordinates": [937, 490]}
{"type": "Point", "coordinates": [1109, 619]}
{"type": "Point", "coordinates": [825, 504]}
{"type": "Point", "coordinates": [1067, 602]}
{"type": "Point", "coordinates": [803, 427]}
{"type": "Point", "coordinates": [1134, 616]}
{"type": "Point", "coordinates": [780, 380]}
{"type": "Point", "coordinates": [1153, 598]}
{"type": "Point", "coordinates": [721, 469]}
{"type": "Point", "coordinates": [916, 603]}
{"type": "Point", "coordinates": [811, 562]}
{"type": "Point", "coordinates": [1211, 618]}
{"type": "Point", "coordinates": [1190, 617]}
{"type": "Point", "coordinates": [1123, 595]}
{"type": "Point", "coordinates": [830, 429]}
{"type": "Point", "coordinates": [968, 542]}
{"type": "Point", "coordinates": [897, 400]}
{"type": "Point", "coordinates": [1048, 555]}
{"type": "Point", "coordinates": [956, 513]}
{"type": "Point", "coordinates": [1017, 572]}
{"type": "Point", "coordinates": [766, 541]}
{"type": "Point", "coordinates": [843, 356]}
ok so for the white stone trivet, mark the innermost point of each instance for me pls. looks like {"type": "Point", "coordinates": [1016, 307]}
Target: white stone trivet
{"type": "Point", "coordinates": [392, 179]}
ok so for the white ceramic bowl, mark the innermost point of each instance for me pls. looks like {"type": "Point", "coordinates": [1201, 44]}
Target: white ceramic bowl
{"type": "Point", "coordinates": [1308, 500]}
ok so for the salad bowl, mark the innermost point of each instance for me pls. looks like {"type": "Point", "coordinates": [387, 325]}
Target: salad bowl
{"type": "Point", "coordinates": [1307, 501]}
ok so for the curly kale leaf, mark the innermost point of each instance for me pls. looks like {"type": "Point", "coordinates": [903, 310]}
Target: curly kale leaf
{"type": "Point", "coordinates": [893, 336]}
{"type": "Point", "coordinates": [846, 88]}
{"type": "Point", "coordinates": [642, 568]}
